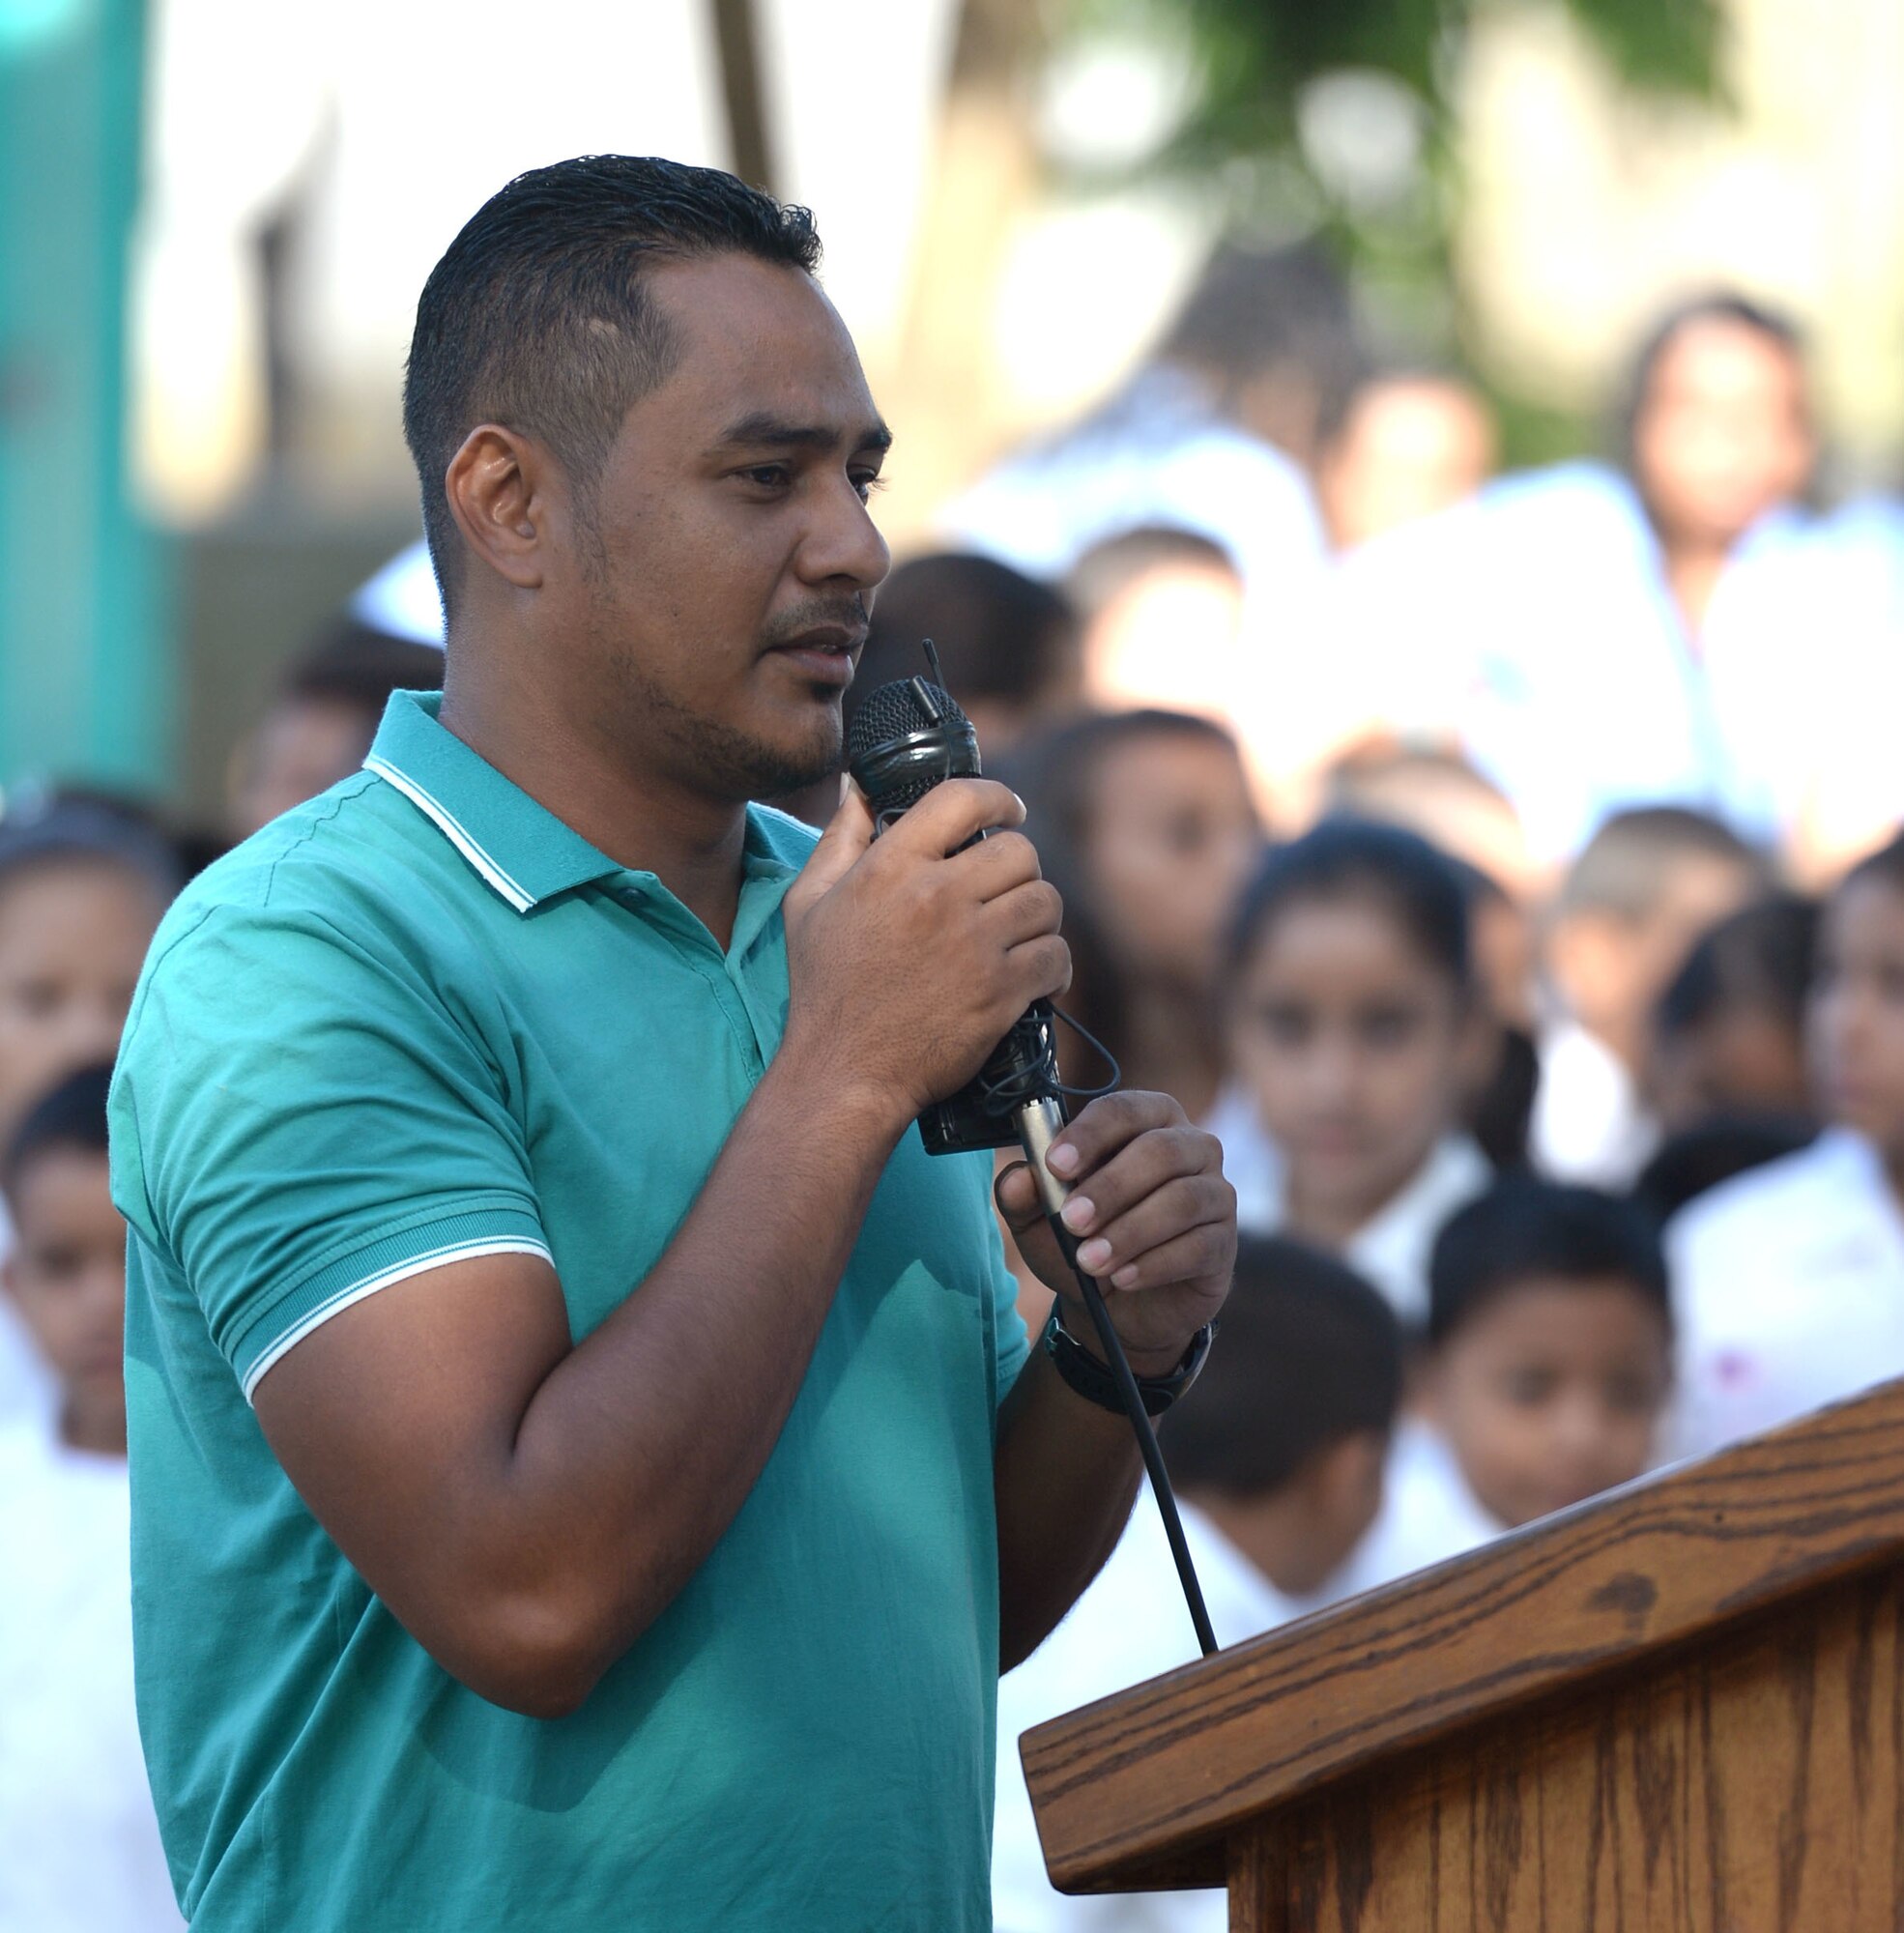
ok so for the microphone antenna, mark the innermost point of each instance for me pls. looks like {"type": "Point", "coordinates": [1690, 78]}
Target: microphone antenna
{"type": "Point", "coordinates": [931, 662]}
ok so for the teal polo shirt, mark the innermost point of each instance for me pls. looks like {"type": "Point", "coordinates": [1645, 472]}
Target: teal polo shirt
{"type": "Point", "coordinates": [419, 1019]}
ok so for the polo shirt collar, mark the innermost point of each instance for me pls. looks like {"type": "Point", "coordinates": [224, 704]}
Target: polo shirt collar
{"type": "Point", "coordinates": [519, 849]}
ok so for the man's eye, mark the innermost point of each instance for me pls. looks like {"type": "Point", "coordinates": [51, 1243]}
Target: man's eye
{"type": "Point", "coordinates": [867, 482]}
{"type": "Point", "coordinates": [769, 476]}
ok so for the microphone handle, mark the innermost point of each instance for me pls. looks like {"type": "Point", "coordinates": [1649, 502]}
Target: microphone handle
{"type": "Point", "coordinates": [1039, 1123]}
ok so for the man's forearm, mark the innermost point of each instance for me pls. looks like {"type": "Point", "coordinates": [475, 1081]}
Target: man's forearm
{"type": "Point", "coordinates": [1065, 1473]}
{"type": "Point", "coordinates": [640, 1446]}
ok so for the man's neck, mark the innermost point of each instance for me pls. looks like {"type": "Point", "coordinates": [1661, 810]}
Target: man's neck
{"type": "Point", "coordinates": [691, 843]}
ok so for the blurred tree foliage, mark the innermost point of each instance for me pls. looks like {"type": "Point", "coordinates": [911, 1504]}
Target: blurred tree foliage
{"type": "Point", "coordinates": [1340, 117]}
{"type": "Point", "coordinates": [1252, 62]}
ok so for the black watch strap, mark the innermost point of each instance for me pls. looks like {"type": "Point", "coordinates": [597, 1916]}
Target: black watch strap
{"type": "Point", "coordinates": [1092, 1379]}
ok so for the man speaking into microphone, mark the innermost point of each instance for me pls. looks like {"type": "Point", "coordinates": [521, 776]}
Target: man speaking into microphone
{"type": "Point", "coordinates": [586, 1467]}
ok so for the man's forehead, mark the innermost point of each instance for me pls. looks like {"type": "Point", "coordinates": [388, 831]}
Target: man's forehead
{"type": "Point", "coordinates": [757, 344]}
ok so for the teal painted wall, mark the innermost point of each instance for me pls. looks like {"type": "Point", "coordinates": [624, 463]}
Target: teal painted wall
{"type": "Point", "coordinates": [85, 675]}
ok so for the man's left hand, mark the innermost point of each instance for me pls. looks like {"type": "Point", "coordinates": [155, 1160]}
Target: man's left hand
{"type": "Point", "coordinates": [1154, 1217]}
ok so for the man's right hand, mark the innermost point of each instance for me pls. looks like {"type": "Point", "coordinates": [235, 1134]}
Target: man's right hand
{"type": "Point", "coordinates": [909, 958]}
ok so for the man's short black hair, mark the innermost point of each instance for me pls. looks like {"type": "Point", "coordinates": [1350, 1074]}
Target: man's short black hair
{"type": "Point", "coordinates": [1524, 1228]}
{"type": "Point", "coordinates": [537, 318]}
{"type": "Point", "coordinates": [71, 1114]}
{"type": "Point", "coordinates": [1309, 1354]}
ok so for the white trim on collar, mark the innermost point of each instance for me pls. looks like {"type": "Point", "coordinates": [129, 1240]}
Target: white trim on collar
{"type": "Point", "coordinates": [452, 829]}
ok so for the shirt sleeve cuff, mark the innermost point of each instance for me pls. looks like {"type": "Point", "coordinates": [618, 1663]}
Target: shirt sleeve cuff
{"type": "Point", "coordinates": [381, 1262]}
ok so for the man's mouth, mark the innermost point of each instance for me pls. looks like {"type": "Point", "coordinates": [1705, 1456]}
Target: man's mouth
{"type": "Point", "coordinates": [824, 652]}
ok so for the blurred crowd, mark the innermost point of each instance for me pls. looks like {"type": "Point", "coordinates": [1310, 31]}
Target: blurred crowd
{"type": "Point", "coordinates": [1504, 867]}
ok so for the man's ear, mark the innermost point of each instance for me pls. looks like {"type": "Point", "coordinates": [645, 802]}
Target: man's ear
{"type": "Point", "coordinates": [499, 485]}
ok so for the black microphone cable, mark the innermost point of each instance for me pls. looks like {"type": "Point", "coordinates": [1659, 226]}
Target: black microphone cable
{"type": "Point", "coordinates": [1036, 1134]}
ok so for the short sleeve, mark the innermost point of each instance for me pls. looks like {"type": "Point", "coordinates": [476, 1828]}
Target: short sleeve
{"type": "Point", "coordinates": [304, 1116]}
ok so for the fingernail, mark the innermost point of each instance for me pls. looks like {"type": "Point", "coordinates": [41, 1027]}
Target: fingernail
{"type": "Point", "coordinates": [1062, 1158]}
{"type": "Point", "coordinates": [1077, 1213]}
{"type": "Point", "coordinates": [1094, 1254]}
{"type": "Point", "coordinates": [1126, 1277]}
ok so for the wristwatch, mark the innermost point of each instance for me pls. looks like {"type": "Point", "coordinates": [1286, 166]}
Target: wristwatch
{"type": "Point", "coordinates": [1093, 1380]}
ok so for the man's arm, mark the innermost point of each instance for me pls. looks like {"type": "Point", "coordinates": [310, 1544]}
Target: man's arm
{"type": "Point", "coordinates": [1159, 1222]}
{"type": "Point", "coordinates": [526, 1508]}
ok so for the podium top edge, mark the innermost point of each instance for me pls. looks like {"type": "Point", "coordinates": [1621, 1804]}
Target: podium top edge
{"type": "Point", "coordinates": [1170, 1765]}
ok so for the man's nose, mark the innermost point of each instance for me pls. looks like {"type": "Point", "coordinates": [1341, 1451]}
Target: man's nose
{"type": "Point", "coordinates": [844, 544]}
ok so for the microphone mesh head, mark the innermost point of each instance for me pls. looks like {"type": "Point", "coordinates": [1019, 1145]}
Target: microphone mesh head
{"type": "Point", "coordinates": [894, 711]}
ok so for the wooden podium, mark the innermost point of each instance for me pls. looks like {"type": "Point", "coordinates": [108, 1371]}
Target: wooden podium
{"type": "Point", "coordinates": [1680, 1705]}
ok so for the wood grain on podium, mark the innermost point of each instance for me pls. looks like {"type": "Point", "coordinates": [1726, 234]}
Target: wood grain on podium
{"type": "Point", "coordinates": [1534, 1729]}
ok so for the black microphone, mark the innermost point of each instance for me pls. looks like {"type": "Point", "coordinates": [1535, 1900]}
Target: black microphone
{"type": "Point", "coordinates": [905, 739]}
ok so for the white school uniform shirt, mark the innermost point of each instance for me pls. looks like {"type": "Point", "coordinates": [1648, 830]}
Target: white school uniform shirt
{"type": "Point", "coordinates": [1429, 1513]}
{"type": "Point", "coordinates": [80, 1849]}
{"type": "Point", "coordinates": [1128, 1626]}
{"type": "Point", "coordinates": [1157, 454]}
{"type": "Point", "coordinates": [1534, 624]}
{"type": "Point", "coordinates": [1789, 1285]}
{"type": "Point", "coordinates": [1392, 1247]}
{"type": "Point", "coordinates": [1590, 1126]}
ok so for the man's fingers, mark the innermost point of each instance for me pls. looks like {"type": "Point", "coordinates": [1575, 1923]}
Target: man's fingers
{"type": "Point", "coordinates": [1159, 1219]}
{"type": "Point", "coordinates": [1205, 1255]}
{"type": "Point", "coordinates": [848, 835]}
{"type": "Point", "coordinates": [1108, 1124]}
{"type": "Point", "coordinates": [1016, 1194]}
{"type": "Point", "coordinates": [998, 864]}
{"type": "Point", "coordinates": [952, 813]}
{"type": "Point", "coordinates": [1135, 1171]}
{"type": "Point", "coordinates": [1025, 912]}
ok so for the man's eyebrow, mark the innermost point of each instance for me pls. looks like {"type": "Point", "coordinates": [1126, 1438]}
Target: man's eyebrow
{"type": "Point", "coordinates": [766, 430]}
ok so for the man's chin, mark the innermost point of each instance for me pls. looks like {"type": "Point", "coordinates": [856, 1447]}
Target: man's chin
{"type": "Point", "coordinates": [791, 762]}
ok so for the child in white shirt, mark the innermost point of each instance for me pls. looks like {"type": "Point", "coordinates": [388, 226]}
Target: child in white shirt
{"type": "Point", "coordinates": [1647, 886]}
{"type": "Point", "coordinates": [1356, 1034]}
{"type": "Point", "coordinates": [1547, 1369]}
{"type": "Point", "coordinates": [1277, 1456]}
{"type": "Point", "coordinates": [81, 889]}
{"type": "Point", "coordinates": [80, 1848]}
{"type": "Point", "coordinates": [1791, 1278]}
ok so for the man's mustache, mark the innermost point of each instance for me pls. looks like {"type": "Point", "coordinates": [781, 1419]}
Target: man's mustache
{"type": "Point", "coordinates": [846, 614]}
